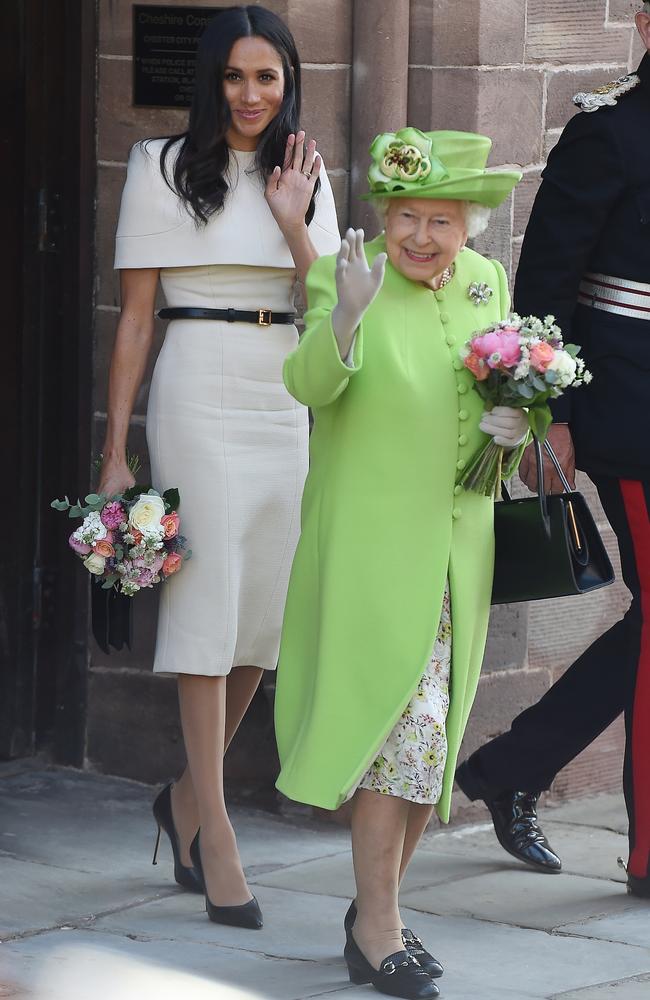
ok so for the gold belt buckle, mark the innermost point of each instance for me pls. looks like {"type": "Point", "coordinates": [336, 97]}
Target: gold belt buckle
{"type": "Point", "coordinates": [264, 317]}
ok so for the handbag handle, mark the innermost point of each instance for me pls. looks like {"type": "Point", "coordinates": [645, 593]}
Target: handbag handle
{"type": "Point", "coordinates": [558, 468]}
{"type": "Point", "coordinates": [541, 492]}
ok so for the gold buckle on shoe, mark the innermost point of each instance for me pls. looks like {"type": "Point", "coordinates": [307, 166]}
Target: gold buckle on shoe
{"type": "Point", "coordinates": [264, 317]}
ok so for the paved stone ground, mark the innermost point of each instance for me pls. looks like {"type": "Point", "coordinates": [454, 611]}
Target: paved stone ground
{"type": "Point", "coordinates": [84, 916]}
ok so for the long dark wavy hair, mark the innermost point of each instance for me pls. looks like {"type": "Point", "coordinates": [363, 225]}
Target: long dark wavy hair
{"type": "Point", "coordinates": [199, 171]}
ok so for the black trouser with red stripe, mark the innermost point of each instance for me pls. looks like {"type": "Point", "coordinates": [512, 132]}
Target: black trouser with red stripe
{"type": "Point", "coordinates": [610, 677]}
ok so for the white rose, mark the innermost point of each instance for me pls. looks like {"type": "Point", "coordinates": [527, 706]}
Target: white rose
{"type": "Point", "coordinates": [565, 368]}
{"type": "Point", "coordinates": [95, 564]}
{"type": "Point", "coordinates": [146, 513]}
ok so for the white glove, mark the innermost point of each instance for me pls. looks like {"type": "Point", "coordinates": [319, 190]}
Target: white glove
{"type": "Point", "coordinates": [507, 425]}
{"type": "Point", "coordinates": [356, 287]}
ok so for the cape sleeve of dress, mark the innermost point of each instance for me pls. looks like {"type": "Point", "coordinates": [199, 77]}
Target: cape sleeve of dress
{"type": "Point", "coordinates": [155, 228]}
{"type": "Point", "coordinates": [323, 228]}
{"type": "Point", "coordinates": [150, 213]}
{"type": "Point", "coordinates": [315, 374]}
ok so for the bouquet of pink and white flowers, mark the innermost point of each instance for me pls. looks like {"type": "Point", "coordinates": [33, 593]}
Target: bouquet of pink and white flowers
{"type": "Point", "coordinates": [130, 541]}
{"type": "Point", "coordinates": [522, 363]}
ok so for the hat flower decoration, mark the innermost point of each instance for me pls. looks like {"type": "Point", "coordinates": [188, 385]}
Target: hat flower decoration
{"type": "Point", "coordinates": [401, 159]}
{"type": "Point", "coordinates": [442, 164]}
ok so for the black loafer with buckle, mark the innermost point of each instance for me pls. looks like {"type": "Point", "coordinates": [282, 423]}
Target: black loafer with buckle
{"type": "Point", "coordinates": [412, 944]}
{"type": "Point", "coordinates": [399, 975]}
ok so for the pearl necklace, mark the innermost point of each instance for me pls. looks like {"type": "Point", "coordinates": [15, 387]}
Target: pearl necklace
{"type": "Point", "coordinates": [447, 275]}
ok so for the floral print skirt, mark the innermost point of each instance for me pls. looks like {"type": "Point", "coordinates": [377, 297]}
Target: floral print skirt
{"type": "Point", "coordinates": [411, 763]}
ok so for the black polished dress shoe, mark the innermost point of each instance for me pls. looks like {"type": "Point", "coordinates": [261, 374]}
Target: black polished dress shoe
{"type": "Point", "coordinates": [247, 915]}
{"type": "Point", "coordinates": [399, 975]}
{"type": "Point", "coordinates": [514, 815]}
{"type": "Point", "coordinates": [412, 944]}
{"type": "Point", "coordinates": [162, 813]}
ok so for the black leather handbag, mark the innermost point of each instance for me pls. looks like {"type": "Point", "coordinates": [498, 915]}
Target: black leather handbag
{"type": "Point", "coordinates": [547, 546]}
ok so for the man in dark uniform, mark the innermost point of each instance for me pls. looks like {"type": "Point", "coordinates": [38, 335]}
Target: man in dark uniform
{"type": "Point", "coordinates": [586, 259]}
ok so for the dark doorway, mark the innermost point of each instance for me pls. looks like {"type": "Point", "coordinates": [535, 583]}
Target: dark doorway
{"type": "Point", "coordinates": [47, 173]}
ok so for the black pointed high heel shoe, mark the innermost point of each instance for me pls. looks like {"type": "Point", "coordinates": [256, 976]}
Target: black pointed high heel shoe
{"type": "Point", "coordinates": [412, 944]}
{"type": "Point", "coordinates": [399, 975]}
{"type": "Point", "coordinates": [162, 812]}
{"type": "Point", "coordinates": [246, 915]}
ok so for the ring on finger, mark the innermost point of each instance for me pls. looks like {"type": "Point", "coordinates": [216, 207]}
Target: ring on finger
{"type": "Point", "coordinates": [306, 173]}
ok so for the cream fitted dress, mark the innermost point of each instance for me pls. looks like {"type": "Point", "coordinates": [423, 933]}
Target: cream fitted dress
{"type": "Point", "coordinates": [220, 424]}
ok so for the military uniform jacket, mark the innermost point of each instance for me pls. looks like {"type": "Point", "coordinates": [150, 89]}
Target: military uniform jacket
{"type": "Point", "coordinates": [592, 215]}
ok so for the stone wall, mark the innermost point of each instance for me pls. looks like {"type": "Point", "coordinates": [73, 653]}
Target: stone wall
{"type": "Point", "coordinates": [507, 68]}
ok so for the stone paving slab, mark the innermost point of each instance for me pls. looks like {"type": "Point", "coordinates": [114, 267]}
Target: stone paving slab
{"type": "Point", "coordinates": [477, 957]}
{"type": "Point", "coordinates": [525, 899]}
{"type": "Point", "coordinates": [37, 896]}
{"type": "Point", "coordinates": [627, 989]}
{"type": "Point", "coordinates": [96, 823]}
{"type": "Point", "coordinates": [254, 976]}
{"type": "Point", "coordinates": [632, 926]}
{"type": "Point", "coordinates": [605, 811]}
{"type": "Point", "coordinates": [585, 850]}
{"type": "Point", "coordinates": [75, 849]}
{"type": "Point", "coordinates": [334, 875]}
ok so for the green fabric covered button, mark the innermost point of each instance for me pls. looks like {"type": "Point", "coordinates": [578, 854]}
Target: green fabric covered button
{"type": "Point", "coordinates": [460, 464]}
{"type": "Point", "coordinates": [462, 440]}
{"type": "Point", "coordinates": [463, 414]}
{"type": "Point", "coordinates": [456, 513]}
{"type": "Point", "coordinates": [450, 340]}
{"type": "Point", "coordinates": [462, 389]}
{"type": "Point", "coordinates": [458, 490]}
{"type": "Point", "coordinates": [441, 295]}
{"type": "Point", "coordinates": [458, 366]}
{"type": "Point", "coordinates": [444, 317]}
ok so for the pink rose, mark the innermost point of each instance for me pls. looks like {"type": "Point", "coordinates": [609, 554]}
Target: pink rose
{"type": "Point", "coordinates": [502, 343]}
{"type": "Point", "coordinates": [104, 548]}
{"type": "Point", "coordinates": [477, 347]}
{"type": "Point", "coordinates": [79, 547]}
{"type": "Point", "coordinates": [478, 367]}
{"type": "Point", "coordinates": [172, 564]}
{"type": "Point", "coordinates": [113, 514]}
{"type": "Point", "coordinates": [541, 356]}
{"type": "Point", "coordinates": [170, 523]}
{"type": "Point", "coordinates": [145, 578]}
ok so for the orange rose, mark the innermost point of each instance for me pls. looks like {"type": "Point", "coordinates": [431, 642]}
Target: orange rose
{"type": "Point", "coordinates": [104, 548]}
{"type": "Point", "coordinates": [172, 564]}
{"type": "Point", "coordinates": [170, 523]}
{"type": "Point", "coordinates": [137, 536]}
{"type": "Point", "coordinates": [541, 356]}
{"type": "Point", "coordinates": [477, 366]}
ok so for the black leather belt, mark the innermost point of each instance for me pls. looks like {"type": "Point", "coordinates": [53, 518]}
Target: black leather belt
{"type": "Point", "coordinates": [262, 317]}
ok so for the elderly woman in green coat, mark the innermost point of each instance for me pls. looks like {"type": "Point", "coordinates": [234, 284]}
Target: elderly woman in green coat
{"type": "Point", "coordinates": [387, 611]}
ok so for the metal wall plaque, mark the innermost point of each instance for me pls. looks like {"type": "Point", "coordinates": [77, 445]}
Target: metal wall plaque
{"type": "Point", "coordinates": [164, 53]}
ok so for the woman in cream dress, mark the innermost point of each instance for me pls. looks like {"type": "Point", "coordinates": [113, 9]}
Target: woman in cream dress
{"type": "Point", "coordinates": [208, 215]}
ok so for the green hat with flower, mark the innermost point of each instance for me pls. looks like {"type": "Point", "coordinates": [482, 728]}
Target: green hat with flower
{"type": "Point", "coordinates": [414, 164]}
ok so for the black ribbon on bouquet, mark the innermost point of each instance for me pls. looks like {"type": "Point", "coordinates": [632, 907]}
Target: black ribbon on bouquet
{"type": "Point", "coordinates": [112, 618]}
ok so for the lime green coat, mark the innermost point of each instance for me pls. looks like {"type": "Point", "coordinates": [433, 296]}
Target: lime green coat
{"type": "Point", "coordinates": [383, 525]}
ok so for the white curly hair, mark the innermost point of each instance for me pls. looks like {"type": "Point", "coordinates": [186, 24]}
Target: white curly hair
{"type": "Point", "coordinates": [477, 217]}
